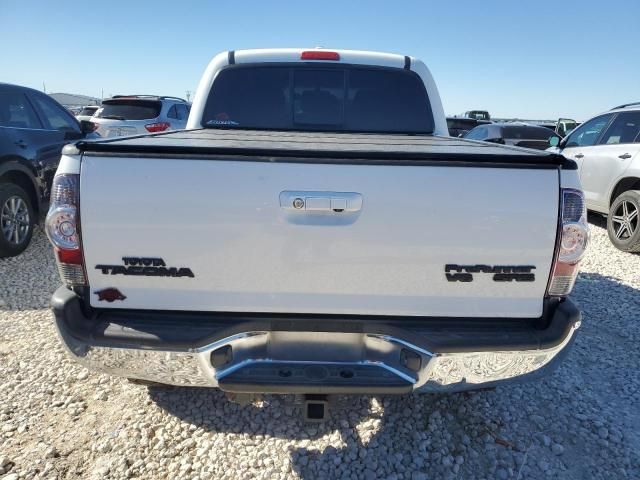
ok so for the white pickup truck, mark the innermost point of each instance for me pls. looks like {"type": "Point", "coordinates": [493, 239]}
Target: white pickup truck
{"type": "Point", "coordinates": [316, 231]}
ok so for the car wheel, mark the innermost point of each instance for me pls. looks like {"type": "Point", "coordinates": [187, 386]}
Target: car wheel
{"type": "Point", "coordinates": [17, 219]}
{"type": "Point", "coordinates": [623, 221]}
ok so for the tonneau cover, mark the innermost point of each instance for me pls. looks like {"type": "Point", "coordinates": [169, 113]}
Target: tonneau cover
{"type": "Point", "coordinates": [355, 146]}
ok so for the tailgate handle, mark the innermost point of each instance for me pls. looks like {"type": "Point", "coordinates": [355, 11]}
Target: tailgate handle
{"type": "Point", "coordinates": [321, 202]}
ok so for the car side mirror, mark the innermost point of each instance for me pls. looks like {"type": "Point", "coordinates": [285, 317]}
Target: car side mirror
{"type": "Point", "coordinates": [563, 142]}
{"type": "Point", "coordinates": [554, 141]}
{"type": "Point", "coordinates": [87, 127]}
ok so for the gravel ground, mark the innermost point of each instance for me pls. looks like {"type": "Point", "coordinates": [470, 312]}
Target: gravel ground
{"type": "Point", "coordinates": [58, 420]}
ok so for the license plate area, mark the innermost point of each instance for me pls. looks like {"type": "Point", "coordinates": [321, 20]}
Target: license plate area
{"type": "Point", "coordinates": [121, 131]}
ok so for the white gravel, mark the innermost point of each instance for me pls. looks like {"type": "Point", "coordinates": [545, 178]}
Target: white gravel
{"type": "Point", "coordinates": [59, 421]}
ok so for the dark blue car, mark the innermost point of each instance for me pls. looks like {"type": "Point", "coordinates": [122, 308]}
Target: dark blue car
{"type": "Point", "coordinates": [33, 130]}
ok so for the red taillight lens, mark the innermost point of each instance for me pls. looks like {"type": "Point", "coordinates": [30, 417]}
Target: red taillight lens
{"type": "Point", "coordinates": [157, 127]}
{"type": "Point", "coordinates": [73, 257]}
{"type": "Point", "coordinates": [63, 229]}
{"type": "Point", "coordinates": [572, 243]}
{"type": "Point", "coordinates": [319, 55]}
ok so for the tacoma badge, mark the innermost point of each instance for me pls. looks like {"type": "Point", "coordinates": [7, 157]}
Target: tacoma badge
{"type": "Point", "coordinates": [145, 266]}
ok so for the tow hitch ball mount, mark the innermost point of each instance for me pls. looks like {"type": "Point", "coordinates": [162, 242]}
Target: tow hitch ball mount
{"type": "Point", "coordinates": [315, 408]}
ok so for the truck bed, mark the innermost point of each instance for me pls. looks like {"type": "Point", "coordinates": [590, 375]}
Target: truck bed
{"type": "Point", "coordinates": [274, 146]}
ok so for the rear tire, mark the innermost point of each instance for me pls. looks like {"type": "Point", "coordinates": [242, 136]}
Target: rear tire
{"type": "Point", "coordinates": [17, 219]}
{"type": "Point", "coordinates": [623, 222]}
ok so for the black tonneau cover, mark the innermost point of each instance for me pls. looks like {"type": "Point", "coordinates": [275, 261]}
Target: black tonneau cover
{"type": "Point", "coordinates": [325, 147]}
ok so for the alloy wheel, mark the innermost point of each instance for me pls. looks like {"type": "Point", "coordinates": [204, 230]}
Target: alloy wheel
{"type": "Point", "coordinates": [625, 220]}
{"type": "Point", "coordinates": [14, 220]}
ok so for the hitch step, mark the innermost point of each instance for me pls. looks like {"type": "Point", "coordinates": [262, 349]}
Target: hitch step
{"type": "Point", "coordinates": [314, 378]}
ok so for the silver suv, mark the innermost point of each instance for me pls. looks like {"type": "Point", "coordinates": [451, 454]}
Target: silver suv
{"type": "Point", "coordinates": [139, 114]}
{"type": "Point", "coordinates": [607, 151]}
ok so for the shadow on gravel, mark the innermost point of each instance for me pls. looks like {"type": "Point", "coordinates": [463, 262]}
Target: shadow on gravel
{"type": "Point", "coordinates": [597, 220]}
{"type": "Point", "coordinates": [369, 437]}
{"type": "Point", "coordinates": [486, 433]}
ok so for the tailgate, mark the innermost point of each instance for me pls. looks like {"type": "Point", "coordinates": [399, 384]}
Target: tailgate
{"type": "Point", "coordinates": [369, 239]}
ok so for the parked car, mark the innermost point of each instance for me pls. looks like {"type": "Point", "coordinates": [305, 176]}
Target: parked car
{"type": "Point", "coordinates": [548, 125]}
{"type": "Point", "coordinates": [564, 126]}
{"type": "Point", "coordinates": [606, 149]}
{"type": "Point", "coordinates": [459, 126]}
{"type": "Point", "coordinates": [514, 133]}
{"type": "Point", "coordinates": [87, 112]}
{"type": "Point", "coordinates": [33, 130]}
{"type": "Point", "coordinates": [317, 232]}
{"type": "Point", "coordinates": [478, 115]}
{"type": "Point", "coordinates": [138, 114]}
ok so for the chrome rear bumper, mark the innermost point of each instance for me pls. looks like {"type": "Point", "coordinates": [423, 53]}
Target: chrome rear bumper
{"type": "Point", "coordinates": [283, 360]}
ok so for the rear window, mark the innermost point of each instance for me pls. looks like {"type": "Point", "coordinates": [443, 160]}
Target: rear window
{"type": "Point", "coordinates": [527, 133]}
{"type": "Point", "coordinates": [354, 99]}
{"type": "Point", "coordinates": [130, 109]}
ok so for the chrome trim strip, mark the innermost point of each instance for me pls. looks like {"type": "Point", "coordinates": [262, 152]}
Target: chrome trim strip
{"type": "Point", "coordinates": [226, 340]}
{"type": "Point", "coordinates": [404, 343]}
{"type": "Point", "coordinates": [400, 374]}
{"type": "Point", "coordinates": [238, 366]}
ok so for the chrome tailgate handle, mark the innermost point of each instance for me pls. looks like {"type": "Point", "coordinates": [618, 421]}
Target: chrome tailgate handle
{"type": "Point", "coordinates": [323, 202]}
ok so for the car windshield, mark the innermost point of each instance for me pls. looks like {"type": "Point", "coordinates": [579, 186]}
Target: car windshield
{"type": "Point", "coordinates": [527, 133]}
{"type": "Point", "coordinates": [130, 109]}
{"type": "Point", "coordinates": [319, 98]}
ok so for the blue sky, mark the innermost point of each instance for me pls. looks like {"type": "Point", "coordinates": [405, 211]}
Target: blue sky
{"type": "Point", "coordinates": [531, 60]}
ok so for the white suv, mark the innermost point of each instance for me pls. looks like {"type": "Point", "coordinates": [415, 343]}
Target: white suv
{"type": "Point", "coordinates": [124, 115]}
{"type": "Point", "coordinates": [606, 149]}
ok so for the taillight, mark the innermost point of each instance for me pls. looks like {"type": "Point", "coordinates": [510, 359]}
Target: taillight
{"type": "Point", "coordinates": [63, 229]}
{"type": "Point", "coordinates": [157, 127]}
{"type": "Point", "coordinates": [319, 55]}
{"type": "Point", "coordinates": [572, 242]}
